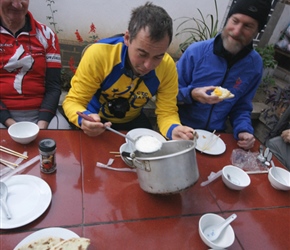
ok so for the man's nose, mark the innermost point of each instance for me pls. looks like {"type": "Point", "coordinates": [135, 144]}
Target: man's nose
{"type": "Point", "coordinates": [149, 64]}
{"type": "Point", "coordinates": [17, 3]}
{"type": "Point", "coordinates": [237, 30]}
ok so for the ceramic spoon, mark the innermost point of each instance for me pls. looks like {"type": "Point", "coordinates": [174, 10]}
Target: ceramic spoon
{"type": "Point", "coordinates": [269, 157]}
{"type": "Point", "coordinates": [260, 157]}
{"type": "Point", "coordinates": [3, 197]}
{"type": "Point", "coordinates": [214, 231]}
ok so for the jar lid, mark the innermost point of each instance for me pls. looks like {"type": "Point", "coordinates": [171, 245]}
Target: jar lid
{"type": "Point", "coordinates": [47, 145]}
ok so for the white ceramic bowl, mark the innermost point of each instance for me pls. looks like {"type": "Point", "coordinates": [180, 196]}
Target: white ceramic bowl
{"type": "Point", "coordinates": [227, 237]}
{"type": "Point", "coordinates": [235, 178]}
{"type": "Point", "coordinates": [279, 178]}
{"type": "Point", "coordinates": [23, 132]}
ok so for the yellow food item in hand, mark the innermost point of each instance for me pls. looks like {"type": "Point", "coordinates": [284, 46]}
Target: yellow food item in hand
{"type": "Point", "coordinates": [222, 93]}
{"type": "Point", "coordinates": [217, 92]}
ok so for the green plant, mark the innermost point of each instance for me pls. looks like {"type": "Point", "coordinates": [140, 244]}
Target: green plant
{"type": "Point", "coordinates": [268, 55]}
{"type": "Point", "coordinates": [278, 100]}
{"type": "Point", "coordinates": [200, 30]}
{"type": "Point", "coordinates": [51, 17]}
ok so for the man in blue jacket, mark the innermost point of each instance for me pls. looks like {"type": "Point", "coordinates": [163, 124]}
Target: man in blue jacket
{"type": "Point", "coordinates": [228, 60]}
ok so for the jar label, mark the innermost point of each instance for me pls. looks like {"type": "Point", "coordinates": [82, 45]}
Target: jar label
{"type": "Point", "coordinates": [48, 164]}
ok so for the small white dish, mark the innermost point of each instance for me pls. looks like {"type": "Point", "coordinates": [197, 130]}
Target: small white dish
{"type": "Point", "coordinates": [23, 132]}
{"type": "Point", "coordinates": [48, 232]}
{"type": "Point", "coordinates": [235, 178]}
{"type": "Point", "coordinates": [279, 178]}
{"type": "Point", "coordinates": [227, 237]}
{"type": "Point", "coordinates": [204, 136]}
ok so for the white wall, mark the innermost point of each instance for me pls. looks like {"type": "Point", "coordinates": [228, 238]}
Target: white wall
{"type": "Point", "coordinates": [111, 16]}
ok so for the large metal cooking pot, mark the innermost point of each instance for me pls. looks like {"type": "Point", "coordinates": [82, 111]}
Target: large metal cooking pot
{"type": "Point", "coordinates": [170, 170]}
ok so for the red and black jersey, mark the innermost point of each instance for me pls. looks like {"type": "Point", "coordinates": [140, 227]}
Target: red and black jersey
{"type": "Point", "coordinates": [26, 81]}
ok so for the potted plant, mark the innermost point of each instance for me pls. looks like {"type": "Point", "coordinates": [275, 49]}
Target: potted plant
{"type": "Point", "coordinates": [268, 56]}
{"type": "Point", "coordinates": [200, 30]}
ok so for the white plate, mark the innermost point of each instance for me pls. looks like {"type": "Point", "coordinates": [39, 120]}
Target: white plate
{"type": "Point", "coordinates": [203, 138]}
{"type": "Point", "coordinates": [48, 232]}
{"type": "Point", "coordinates": [134, 133]}
{"type": "Point", "coordinates": [28, 198]}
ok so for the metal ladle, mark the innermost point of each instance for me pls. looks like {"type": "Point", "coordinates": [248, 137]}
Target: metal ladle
{"type": "Point", "coordinates": [3, 198]}
{"type": "Point", "coordinates": [152, 150]}
{"type": "Point", "coordinates": [88, 118]}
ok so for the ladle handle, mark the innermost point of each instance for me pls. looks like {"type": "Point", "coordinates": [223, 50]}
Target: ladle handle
{"type": "Point", "coordinates": [88, 118]}
{"type": "Point", "coordinates": [117, 132]}
{"type": "Point", "coordinates": [127, 154]}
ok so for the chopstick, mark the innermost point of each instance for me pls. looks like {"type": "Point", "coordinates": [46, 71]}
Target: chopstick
{"type": "Point", "coordinates": [210, 142]}
{"type": "Point", "coordinates": [9, 164]}
{"type": "Point", "coordinates": [86, 117]}
{"type": "Point", "coordinates": [257, 172]}
{"type": "Point", "coordinates": [12, 152]}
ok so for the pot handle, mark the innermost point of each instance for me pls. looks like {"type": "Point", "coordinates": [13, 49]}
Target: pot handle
{"type": "Point", "coordinates": [127, 154]}
{"type": "Point", "coordinates": [143, 166]}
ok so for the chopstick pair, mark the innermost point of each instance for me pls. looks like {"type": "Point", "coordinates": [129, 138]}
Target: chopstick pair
{"type": "Point", "coordinates": [210, 142]}
{"type": "Point", "coordinates": [9, 164]}
{"type": "Point", "coordinates": [116, 154]}
{"type": "Point", "coordinates": [12, 152]}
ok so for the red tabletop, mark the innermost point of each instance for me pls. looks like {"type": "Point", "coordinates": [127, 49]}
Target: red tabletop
{"type": "Point", "coordinates": [111, 209]}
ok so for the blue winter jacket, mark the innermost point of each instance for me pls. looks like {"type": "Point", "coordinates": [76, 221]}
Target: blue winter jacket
{"type": "Point", "coordinates": [206, 63]}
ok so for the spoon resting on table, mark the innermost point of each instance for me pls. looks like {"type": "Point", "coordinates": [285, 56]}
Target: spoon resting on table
{"type": "Point", "coordinates": [214, 231]}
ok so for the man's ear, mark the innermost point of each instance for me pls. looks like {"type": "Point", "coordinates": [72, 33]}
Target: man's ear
{"type": "Point", "coordinates": [127, 38]}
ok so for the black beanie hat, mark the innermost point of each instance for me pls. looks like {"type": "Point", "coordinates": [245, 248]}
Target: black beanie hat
{"type": "Point", "coordinates": [257, 9]}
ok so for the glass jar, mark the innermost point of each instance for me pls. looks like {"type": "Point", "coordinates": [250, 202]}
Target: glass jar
{"type": "Point", "coordinates": [47, 148]}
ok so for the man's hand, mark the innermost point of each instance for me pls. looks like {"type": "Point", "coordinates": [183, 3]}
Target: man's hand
{"type": "Point", "coordinates": [286, 136]}
{"type": "Point", "coordinates": [183, 133]}
{"type": "Point", "coordinates": [246, 140]}
{"type": "Point", "coordinates": [201, 95]}
{"type": "Point", "coordinates": [94, 128]}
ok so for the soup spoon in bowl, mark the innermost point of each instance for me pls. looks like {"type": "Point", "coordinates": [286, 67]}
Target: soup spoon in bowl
{"type": "Point", "coordinates": [214, 231]}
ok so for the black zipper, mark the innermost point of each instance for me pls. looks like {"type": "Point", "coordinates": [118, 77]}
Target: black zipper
{"type": "Point", "coordinates": [212, 106]}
